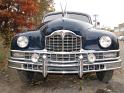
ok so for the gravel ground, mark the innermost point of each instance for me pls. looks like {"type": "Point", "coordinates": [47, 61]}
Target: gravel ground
{"type": "Point", "coordinates": [10, 83]}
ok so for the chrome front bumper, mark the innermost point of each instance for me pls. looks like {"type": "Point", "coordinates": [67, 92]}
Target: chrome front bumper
{"type": "Point", "coordinates": [65, 62]}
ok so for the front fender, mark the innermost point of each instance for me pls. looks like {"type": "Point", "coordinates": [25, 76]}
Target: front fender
{"type": "Point", "coordinates": [93, 36]}
{"type": "Point", "coordinates": [36, 41]}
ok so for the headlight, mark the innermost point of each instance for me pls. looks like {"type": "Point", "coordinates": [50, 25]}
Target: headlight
{"type": "Point", "coordinates": [35, 57]}
{"type": "Point", "coordinates": [22, 41]}
{"type": "Point", "coordinates": [105, 41]}
{"type": "Point", "coordinates": [91, 57]}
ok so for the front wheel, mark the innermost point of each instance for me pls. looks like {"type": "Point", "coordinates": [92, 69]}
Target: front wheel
{"type": "Point", "coordinates": [104, 76]}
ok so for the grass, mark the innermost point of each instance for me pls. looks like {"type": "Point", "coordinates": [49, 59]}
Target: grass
{"type": "Point", "coordinates": [2, 54]}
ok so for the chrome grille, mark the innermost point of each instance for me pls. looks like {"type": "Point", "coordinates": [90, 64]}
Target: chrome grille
{"type": "Point", "coordinates": [63, 57]}
{"type": "Point", "coordinates": [54, 43]}
{"type": "Point", "coordinates": [63, 40]}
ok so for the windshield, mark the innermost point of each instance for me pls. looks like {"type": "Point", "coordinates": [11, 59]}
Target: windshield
{"type": "Point", "coordinates": [80, 17]}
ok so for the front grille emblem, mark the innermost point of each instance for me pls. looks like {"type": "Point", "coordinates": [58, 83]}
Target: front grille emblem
{"type": "Point", "coordinates": [62, 34]}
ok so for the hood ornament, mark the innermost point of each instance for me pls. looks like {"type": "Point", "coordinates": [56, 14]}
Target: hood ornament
{"type": "Point", "coordinates": [62, 33]}
{"type": "Point", "coordinates": [63, 10]}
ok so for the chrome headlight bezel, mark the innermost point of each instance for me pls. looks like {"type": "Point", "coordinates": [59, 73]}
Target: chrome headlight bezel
{"type": "Point", "coordinates": [105, 41]}
{"type": "Point", "coordinates": [22, 41]}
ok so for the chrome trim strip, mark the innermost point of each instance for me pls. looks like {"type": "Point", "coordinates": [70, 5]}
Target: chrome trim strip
{"type": "Point", "coordinates": [25, 59]}
{"type": "Point", "coordinates": [20, 62]}
{"type": "Point", "coordinates": [65, 72]}
{"type": "Point", "coordinates": [72, 72]}
{"type": "Point", "coordinates": [63, 61]}
{"type": "Point", "coordinates": [104, 59]}
{"type": "Point", "coordinates": [101, 70]}
{"type": "Point", "coordinates": [26, 69]}
{"type": "Point", "coordinates": [84, 51]}
{"type": "Point", "coordinates": [109, 62]}
{"type": "Point", "coordinates": [63, 65]}
{"type": "Point", "coordinates": [58, 32]}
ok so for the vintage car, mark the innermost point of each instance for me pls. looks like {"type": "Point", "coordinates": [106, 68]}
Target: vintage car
{"type": "Point", "coordinates": [66, 43]}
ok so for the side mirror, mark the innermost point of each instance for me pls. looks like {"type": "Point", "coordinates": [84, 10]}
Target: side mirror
{"type": "Point", "coordinates": [98, 23]}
